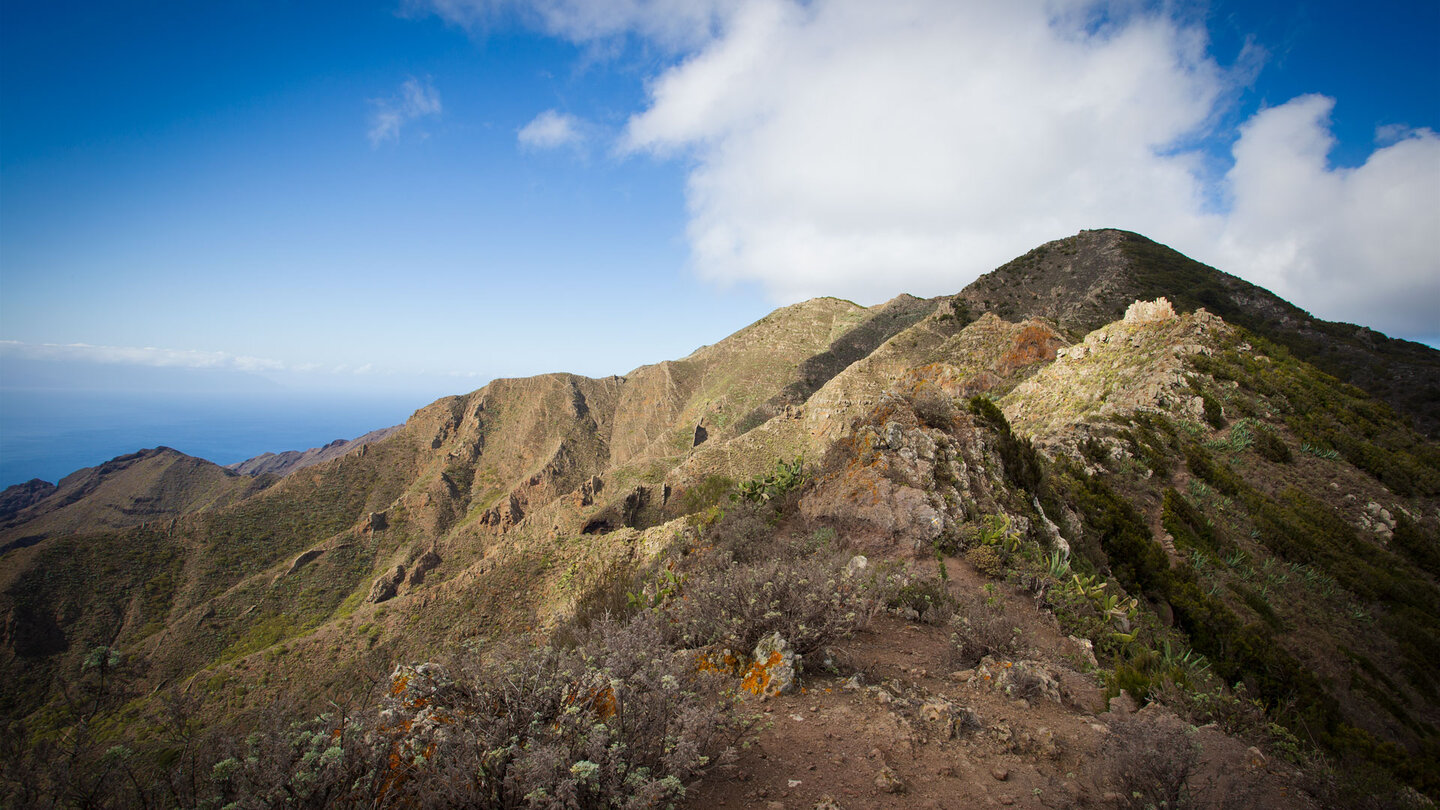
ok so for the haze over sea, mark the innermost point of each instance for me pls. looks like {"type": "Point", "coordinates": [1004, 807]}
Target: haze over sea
{"type": "Point", "coordinates": [49, 434]}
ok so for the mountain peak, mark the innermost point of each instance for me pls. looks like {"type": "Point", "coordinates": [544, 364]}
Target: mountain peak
{"type": "Point", "coordinates": [1085, 281]}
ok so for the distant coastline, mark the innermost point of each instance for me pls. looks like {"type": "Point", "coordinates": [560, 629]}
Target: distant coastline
{"type": "Point", "coordinates": [49, 434]}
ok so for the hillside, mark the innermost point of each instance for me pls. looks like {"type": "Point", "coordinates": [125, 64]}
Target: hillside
{"type": "Point", "coordinates": [123, 492]}
{"type": "Point", "coordinates": [1060, 523]}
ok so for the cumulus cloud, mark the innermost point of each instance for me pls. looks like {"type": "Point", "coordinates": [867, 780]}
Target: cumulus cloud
{"type": "Point", "coordinates": [551, 130]}
{"type": "Point", "coordinates": [1347, 243]}
{"type": "Point", "coordinates": [854, 148]}
{"type": "Point", "coordinates": [137, 356]}
{"type": "Point", "coordinates": [416, 99]}
{"type": "Point", "coordinates": [863, 149]}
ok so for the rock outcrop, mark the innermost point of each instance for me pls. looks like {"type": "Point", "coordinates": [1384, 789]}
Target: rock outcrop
{"type": "Point", "coordinates": [386, 585]}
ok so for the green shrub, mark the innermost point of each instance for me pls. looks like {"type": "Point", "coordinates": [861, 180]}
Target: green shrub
{"type": "Point", "coordinates": [1214, 413]}
{"type": "Point", "coordinates": [713, 490]}
{"type": "Point", "coordinates": [1258, 603]}
{"type": "Point", "coordinates": [1216, 474]}
{"type": "Point", "coordinates": [986, 560]}
{"type": "Point", "coordinates": [1189, 528]}
{"type": "Point", "coordinates": [1271, 447]}
{"type": "Point", "coordinates": [1018, 457]}
{"type": "Point", "coordinates": [1094, 450]}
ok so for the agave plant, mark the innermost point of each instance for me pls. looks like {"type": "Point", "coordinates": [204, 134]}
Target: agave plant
{"type": "Point", "coordinates": [1058, 563]}
{"type": "Point", "coordinates": [1174, 657]}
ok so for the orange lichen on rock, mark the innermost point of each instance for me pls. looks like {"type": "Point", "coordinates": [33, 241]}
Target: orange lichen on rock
{"type": "Point", "coordinates": [757, 677]}
{"type": "Point", "coordinates": [398, 685]}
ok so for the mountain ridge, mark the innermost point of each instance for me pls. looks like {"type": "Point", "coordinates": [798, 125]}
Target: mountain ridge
{"type": "Point", "coordinates": [929, 432]}
{"type": "Point", "coordinates": [286, 462]}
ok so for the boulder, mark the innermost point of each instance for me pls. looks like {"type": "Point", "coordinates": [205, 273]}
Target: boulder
{"type": "Point", "coordinates": [857, 564]}
{"type": "Point", "coordinates": [1149, 311]}
{"type": "Point", "coordinates": [776, 667]}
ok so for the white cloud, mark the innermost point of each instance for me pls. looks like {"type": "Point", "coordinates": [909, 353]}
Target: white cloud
{"type": "Point", "coordinates": [674, 24]}
{"type": "Point", "coordinates": [137, 356]}
{"type": "Point", "coordinates": [416, 100]}
{"type": "Point", "coordinates": [862, 149]}
{"type": "Point", "coordinates": [81, 359]}
{"type": "Point", "coordinates": [1353, 244]}
{"type": "Point", "coordinates": [551, 130]}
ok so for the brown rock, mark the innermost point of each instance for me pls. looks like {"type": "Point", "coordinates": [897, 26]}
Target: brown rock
{"type": "Point", "coordinates": [887, 781]}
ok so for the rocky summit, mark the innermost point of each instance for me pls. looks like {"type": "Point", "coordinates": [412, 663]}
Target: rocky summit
{"type": "Point", "coordinates": [1106, 528]}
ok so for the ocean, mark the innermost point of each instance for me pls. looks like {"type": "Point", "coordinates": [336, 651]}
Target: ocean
{"type": "Point", "coordinates": [50, 434]}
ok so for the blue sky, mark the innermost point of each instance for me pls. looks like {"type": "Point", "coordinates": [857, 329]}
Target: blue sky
{"type": "Point", "coordinates": [416, 196]}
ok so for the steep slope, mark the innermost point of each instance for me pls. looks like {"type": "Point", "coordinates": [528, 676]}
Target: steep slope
{"type": "Point", "coordinates": [127, 491]}
{"type": "Point", "coordinates": [669, 407]}
{"type": "Point", "coordinates": [1298, 520]}
{"type": "Point", "coordinates": [286, 462]}
{"type": "Point", "coordinates": [1085, 281]}
{"type": "Point", "coordinates": [940, 350]}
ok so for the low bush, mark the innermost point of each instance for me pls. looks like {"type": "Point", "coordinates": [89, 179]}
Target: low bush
{"type": "Point", "coordinates": [1148, 760]}
{"type": "Point", "coordinates": [543, 727]}
{"type": "Point", "coordinates": [981, 629]}
{"type": "Point", "coordinates": [806, 600]}
{"type": "Point", "coordinates": [742, 533]}
{"type": "Point", "coordinates": [1271, 447]}
{"type": "Point", "coordinates": [933, 407]}
{"type": "Point", "coordinates": [987, 560]}
{"type": "Point", "coordinates": [929, 598]}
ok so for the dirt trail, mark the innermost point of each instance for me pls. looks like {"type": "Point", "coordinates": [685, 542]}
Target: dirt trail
{"type": "Point", "coordinates": [898, 728]}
